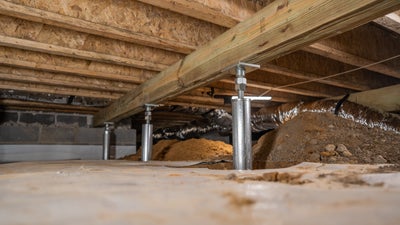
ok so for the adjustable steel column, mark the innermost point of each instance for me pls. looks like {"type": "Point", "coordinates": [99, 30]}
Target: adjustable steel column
{"type": "Point", "coordinates": [108, 129]}
{"type": "Point", "coordinates": [147, 133]}
{"type": "Point", "coordinates": [241, 120]}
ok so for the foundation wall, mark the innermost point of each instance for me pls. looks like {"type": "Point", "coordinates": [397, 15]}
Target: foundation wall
{"type": "Point", "coordinates": [26, 136]}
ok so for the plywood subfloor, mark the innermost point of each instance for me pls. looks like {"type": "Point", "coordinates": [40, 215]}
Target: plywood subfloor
{"type": "Point", "coordinates": [120, 192]}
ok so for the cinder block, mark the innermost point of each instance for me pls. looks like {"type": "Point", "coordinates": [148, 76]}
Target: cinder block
{"type": "Point", "coordinates": [45, 119]}
{"type": "Point", "coordinates": [18, 135]}
{"type": "Point", "coordinates": [57, 135]}
{"type": "Point", "coordinates": [89, 136]}
{"type": "Point", "coordinates": [125, 137]}
{"type": "Point", "coordinates": [6, 117]}
{"type": "Point", "coordinates": [71, 119]}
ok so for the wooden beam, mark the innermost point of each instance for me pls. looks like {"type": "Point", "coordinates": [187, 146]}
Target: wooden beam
{"type": "Point", "coordinates": [64, 81]}
{"type": "Point", "coordinates": [391, 22]}
{"type": "Point", "coordinates": [13, 104]}
{"type": "Point", "coordinates": [351, 59]}
{"type": "Point", "coordinates": [68, 22]}
{"type": "Point", "coordinates": [76, 53]}
{"type": "Point", "coordinates": [39, 88]}
{"type": "Point", "coordinates": [219, 12]}
{"type": "Point", "coordinates": [277, 96]}
{"type": "Point", "coordinates": [192, 104]}
{"type": "Point", "coordinates": [199, 100]}
{"type": "Point", "coordinates": [311, 76]}
{"type": "Point", "coordinates": [276, 30]}
{"type": "Point", "coordinates": [249, 92]}
{"type": "Point", "coordinates": [385, 99]}
{"type": "Point", "coordinates": [216, 102]}
{"type": "Point", "coordinates": [135, 79]}
{"type": "Point", "coordinates": [269, 86]}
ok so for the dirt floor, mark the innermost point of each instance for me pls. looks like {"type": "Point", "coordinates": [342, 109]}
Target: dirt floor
{"type": "Point", "coordinates": [159, 192]}
{"type": "Point", "coordinates": [309, 137]}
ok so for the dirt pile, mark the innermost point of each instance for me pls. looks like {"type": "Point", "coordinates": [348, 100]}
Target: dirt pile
{"type": "Point", "coordinates": [192, 149]}
{"type": "Point", "coordinates": [326, 138]}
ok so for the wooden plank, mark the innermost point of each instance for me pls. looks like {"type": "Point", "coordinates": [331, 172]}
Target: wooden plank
{"type": "Point", "coordinates": [55, 19]}
{"type": "Point", "coordinates": [391, 22]}
{"type": "Point", "coordinates": [277, 96]}
{"type": "Point", "coordinates": [310, 76]}
{"type": "Point", "coordinates": [218, 12]}
{"type": "Point", "coordinates": [135, 79]}
{"type": "Point", "coordinates": [385, 99]}
{"type": "Point", "coordinates": [42, 106]}
{"type": "Point", "coordinates": [200, 100]}
{"type": "Point", "coordinates": [276, 30]}
{"type": "Point", "coordinates": [39, 88]}
{"type": "Point", "coordinates": [351, 59]}
{"type": "Point", "coordinates": [64, 81]}
{"type": "Point", "coordinates": [76, 53]}
{"type": "Point", "coordinates": [192, 104]}
{"type": "Point", "coordinates": [269, 86]}
{"type": "Point", "coordinates": [230, 91]}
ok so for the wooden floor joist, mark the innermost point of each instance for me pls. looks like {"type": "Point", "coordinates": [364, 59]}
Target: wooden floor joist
{"type": "Point", "coordinates": [65, 81]}
{"type": "Point", "coordinates": [385, 99]}
{"type": "Point", "coordinates": [269, 86]}
{"type": "Point", "coordinates": [278, 29]}
{"type": "Point", "coordinates": [81, 54]}
{"type": "Point", "coordinates": [348, 58]}
{"type": "Point", "coordinates": [135, 79]}
{"type": "Point", "coordinates": [211, 11]}
{"type": "Point", "coordinates": [310, 76]}
{"type": "Point", "coordinates": [390, 21]}
{"type": "Point", "coordinates": [12, 104]}
{"type": "Point", "coordinates": [40, 88]}
{"type": "Point", "coordinates": [199, 105]}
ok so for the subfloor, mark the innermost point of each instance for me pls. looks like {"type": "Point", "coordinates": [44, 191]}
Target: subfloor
{"type": "Point", "coordinates": [125, 192]}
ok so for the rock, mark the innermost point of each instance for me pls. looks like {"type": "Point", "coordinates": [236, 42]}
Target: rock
{"type": "Point", "coordinates": [330, 147]}
{"type": "Point", "coordinates": [367, 160]}
{"type": "Point", "coordinates": [331, 126]}
{"type": "Point", "coordinates": [347, 153]}
{"type": "Point", "coordinates": [342, 150]}
{"type": "Point", "coordinates": [314, 141]}
{"type": "Point", "coordinates": [379, 159]}
{"type": "Point", "coordinates": [328, 153]}
{"type": "Point", "coordinates": [332, 159]}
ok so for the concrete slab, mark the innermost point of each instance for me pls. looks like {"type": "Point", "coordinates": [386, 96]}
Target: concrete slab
{"type": "Point", "coordinates": [123, 192]}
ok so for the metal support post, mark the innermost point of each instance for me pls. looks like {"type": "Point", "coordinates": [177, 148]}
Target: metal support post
{"type": "Point", "coordinates": [108, 129]}
{"type": "Point", "coordinates": [241, 132]}
{"type": "Point", "coordinates": [241, 127]}
{"type": "Point", "coordinates": [147, 133]}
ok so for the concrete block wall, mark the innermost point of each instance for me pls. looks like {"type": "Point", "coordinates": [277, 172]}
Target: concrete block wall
{"type": "Point", "coordinates": [45, 119]}
{"type": "Point", "coordinates": [26, 136]}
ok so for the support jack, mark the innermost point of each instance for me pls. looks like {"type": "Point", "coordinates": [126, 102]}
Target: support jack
{"type": "Point", "coordinates": [241, 120]}
{"type": "Point", "coordinates": [147, 133]}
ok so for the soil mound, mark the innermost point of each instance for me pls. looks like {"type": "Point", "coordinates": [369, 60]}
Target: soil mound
{"type": "Point", "coordinates": [192, 149]}
{"type": "Point", "coordinates": [326, 138]}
